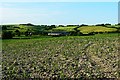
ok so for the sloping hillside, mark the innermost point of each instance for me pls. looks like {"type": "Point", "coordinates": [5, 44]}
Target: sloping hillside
{"type": "Point", "coordinates": [67, 29]}
{"type": "Point", "coordinates": [89, 29]}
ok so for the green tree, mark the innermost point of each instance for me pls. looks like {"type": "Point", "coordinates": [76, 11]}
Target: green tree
{"type": "Point", "coordinates": [28, 33]}
{"type": "Point", "coordinates": [17, 32]}
{"type": "Point", "coordinates": [7, 35]}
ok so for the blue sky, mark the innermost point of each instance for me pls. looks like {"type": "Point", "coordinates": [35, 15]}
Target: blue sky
{"type": "Point", "coordinates": [59, 12]}
{"type": "Point", "coordinates": [59, 0]}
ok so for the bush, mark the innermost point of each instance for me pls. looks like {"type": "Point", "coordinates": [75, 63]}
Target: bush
{"type": "Point", "coordinates": [83, 25]}
{"type": "Point", "coordinates": [101, 25]}
{"type": "Point", "coordinates": [17, 32]}
{"type": "Point", "coordinates": [28, 33]}
{"type": "Point", "coordinates": [7, 35]}
{"type": "Point", "coordinates": [74, 33]}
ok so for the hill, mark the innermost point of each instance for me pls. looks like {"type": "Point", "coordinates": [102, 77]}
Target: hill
{"type": "Point", "coordinates": [28, 29]}
{"type": "Point", "coordinates": [89, 29]}
{"type": "Point", "coordinates": [67, 29]}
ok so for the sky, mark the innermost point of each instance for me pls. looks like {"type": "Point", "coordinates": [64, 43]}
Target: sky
{"type": "Point", "coordinates": [59, 12]}
{"type": "Point", "coordinates": [59, 0]}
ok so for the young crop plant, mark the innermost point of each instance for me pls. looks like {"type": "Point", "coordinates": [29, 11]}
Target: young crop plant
{"type": "Point", "coordinates": [78, 57]}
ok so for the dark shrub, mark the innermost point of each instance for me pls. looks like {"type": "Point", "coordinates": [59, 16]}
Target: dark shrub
{"type": "Point", "coordinates": [107, 24]}
{"type": "Point", "coordinates": [17, 32]}
{"type": "Point", "coordinates": [28, 32]}
{"type": "Point", "coordinates": [91, 33]}
{"type": "Point", "coordinates": [83, 25]}
{"type": "Point", "coordinates": [7, 35]}
{"type": "Point", "coordinates": [101, 25]}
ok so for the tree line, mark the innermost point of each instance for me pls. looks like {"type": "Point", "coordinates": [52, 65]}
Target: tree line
{"type": "Point", "coordinates": [6, 34]}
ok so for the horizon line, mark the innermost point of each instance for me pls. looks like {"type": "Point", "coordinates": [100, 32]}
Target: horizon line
{"type": "Point", "coordinates": [58, 24]}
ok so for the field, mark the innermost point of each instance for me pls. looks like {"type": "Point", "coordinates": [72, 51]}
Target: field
{"type": "Point", "coordinates": [88, 29]}
{"type": "Point", "coordinates": [20, 30]}
{"type": "Point", "coordinates": [82, 57]}
{"type": "Point", "coordinates": [67, 29]}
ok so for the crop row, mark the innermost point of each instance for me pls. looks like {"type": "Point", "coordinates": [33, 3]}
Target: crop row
{"type": "Point", "coordinates": [60, 58]}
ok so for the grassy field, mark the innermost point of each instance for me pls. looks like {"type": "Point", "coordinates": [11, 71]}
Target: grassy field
{"type": "Point", "coordinates": [42, 29]}
{"type": "Point", "coordinates": [61, 57]}
{"type": "Point", "coordinates": [67, 29]}
{"type": "Point", "coordinates": [88, 29]}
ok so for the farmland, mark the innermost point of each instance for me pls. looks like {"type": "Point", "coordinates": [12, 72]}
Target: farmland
{"type": "Point", "coordinates": [88, 29]}
{"type": "Point", "coordinates": [83, 57]}
{"type": "Point", "coordinates": [68, 29]}
{"type": "Point", "coordinates": [21, 29]}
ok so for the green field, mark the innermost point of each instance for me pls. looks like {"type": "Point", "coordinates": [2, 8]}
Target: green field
{"type": "Point", "coordinates": [88, 29]}
{"type": "Point", "coordinates": [67, 29]}
{"type": "Point", "coordinates": [70, 29]}
{"type": "Point", "coordinates": [61, 57]}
